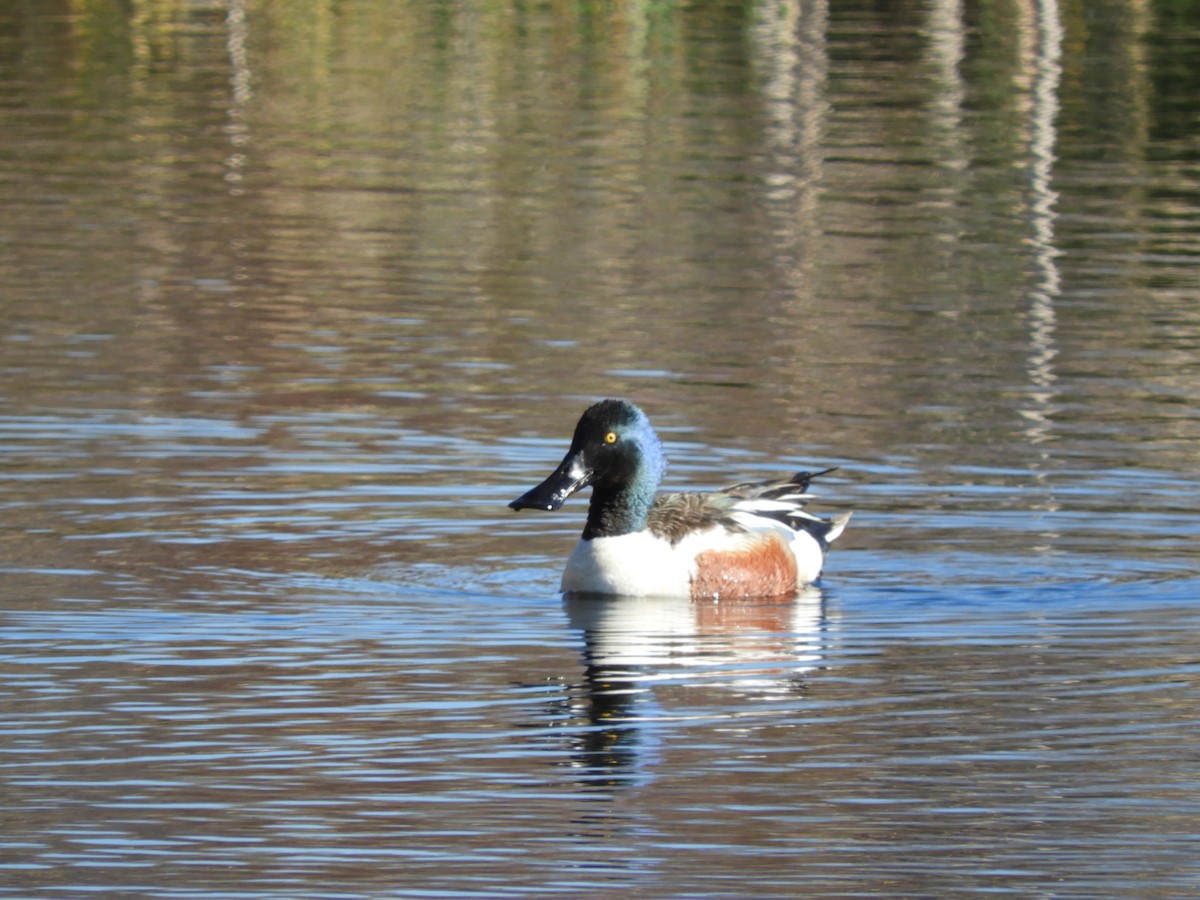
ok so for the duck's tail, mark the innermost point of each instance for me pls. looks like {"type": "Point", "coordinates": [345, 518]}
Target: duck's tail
{"type": "Point", "coordinates": [836, 525]}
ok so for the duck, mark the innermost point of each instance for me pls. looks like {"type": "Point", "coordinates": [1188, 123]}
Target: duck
{"type": "Point", "coordinates": [748, 540]}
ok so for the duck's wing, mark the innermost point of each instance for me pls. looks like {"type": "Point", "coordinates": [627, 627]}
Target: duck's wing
{"type": "Point", "coordinates": [675, 515]}
{"type": "Point", "coordinates": [749, 506]}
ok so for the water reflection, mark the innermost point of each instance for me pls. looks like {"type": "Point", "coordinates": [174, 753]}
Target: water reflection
{"type": "Point", "coordinates": [237, 26]}
{"type": "Point", "coordinates": [947, 50]}
{"type": "Point", "coordinates": [1042, 35]}
{"type": "Point", "coordinates": [636, 648]}
{"type": "Point", "coordinates": [793, 60]}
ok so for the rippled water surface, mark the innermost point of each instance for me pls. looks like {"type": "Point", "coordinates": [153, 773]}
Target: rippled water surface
{"type": "Point", "coordinates": [296, 296]}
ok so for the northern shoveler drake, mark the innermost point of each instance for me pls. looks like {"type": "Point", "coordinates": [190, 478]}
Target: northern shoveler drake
{"type": "Point", "coordinates": [748, 540]}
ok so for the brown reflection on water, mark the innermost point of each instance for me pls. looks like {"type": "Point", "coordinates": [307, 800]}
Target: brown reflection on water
{"type": "Point", "coordinates": [813, 233]}
{"type": "Point", "coordinates": [314, 211]}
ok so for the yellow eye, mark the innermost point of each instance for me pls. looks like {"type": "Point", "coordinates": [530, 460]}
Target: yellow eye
{"type": "Point", "coordinates": [610, 438]}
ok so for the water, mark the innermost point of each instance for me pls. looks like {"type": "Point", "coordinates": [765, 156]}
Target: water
{"type": "Point", "coordinates": [295, 297]}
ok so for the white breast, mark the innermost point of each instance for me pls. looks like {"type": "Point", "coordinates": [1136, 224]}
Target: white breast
{"type": "Point", "coordinates": [637, 565]}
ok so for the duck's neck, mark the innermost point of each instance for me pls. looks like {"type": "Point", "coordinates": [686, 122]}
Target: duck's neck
{"type": "Point", "coordinates": [616, 512]}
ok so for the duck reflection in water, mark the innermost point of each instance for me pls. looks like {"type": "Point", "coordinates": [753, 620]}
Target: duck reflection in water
{"type": "Point", "coordinates": [646, 659]}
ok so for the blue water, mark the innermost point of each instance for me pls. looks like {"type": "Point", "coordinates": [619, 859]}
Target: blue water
{"type": "Point", "coordinates": [406, 732]}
